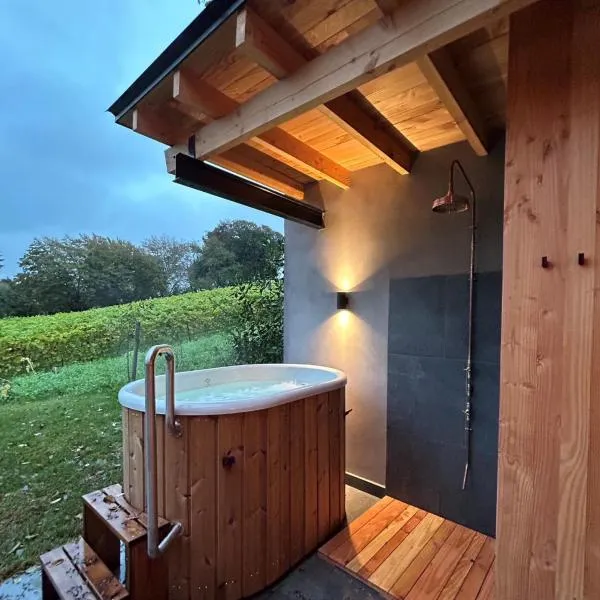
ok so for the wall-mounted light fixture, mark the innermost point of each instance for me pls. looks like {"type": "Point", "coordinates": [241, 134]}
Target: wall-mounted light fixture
{"type": "Point", "coordinates": [342, 300]}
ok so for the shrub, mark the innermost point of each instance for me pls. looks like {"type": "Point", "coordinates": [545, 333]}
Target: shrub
{"type": "Point", "coordinates": [51, 341]}
{"type": "Point", "coordinates": [256, 325]}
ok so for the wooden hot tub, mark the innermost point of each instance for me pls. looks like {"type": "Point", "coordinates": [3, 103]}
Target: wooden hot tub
{"type": "Point", "coordinates": [257, 482]}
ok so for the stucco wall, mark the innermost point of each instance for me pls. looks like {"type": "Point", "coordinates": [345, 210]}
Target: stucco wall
{"type": "Point", "coordinates": [382, 228]}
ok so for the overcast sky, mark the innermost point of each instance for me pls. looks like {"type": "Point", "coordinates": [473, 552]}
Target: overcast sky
{"type": "Point", "coordinates": [65, 166]}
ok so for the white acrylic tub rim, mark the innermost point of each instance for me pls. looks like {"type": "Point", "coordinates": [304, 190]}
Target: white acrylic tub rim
{"type": "Point", "coordinates": [318, 380]}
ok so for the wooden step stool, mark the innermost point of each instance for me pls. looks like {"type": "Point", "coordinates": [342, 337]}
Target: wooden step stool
{"type": "Point", "coordinates": [76, 571]}
{"type": "Point", "coordinates": [108, 521]}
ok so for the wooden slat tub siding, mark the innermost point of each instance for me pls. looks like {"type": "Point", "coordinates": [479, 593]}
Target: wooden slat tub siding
{"type": "Point", "coordinates": [255, 503]}
{"type": "Point", "coordinates": [311, 502]}
{"type": "Point", "coordinates": [160, 463]}
{"type": "Point", "coordinates": [230, 507]}
{"type": "Point", "coordinates": [323, 466]}
{"type": "Point", "coordinates": [245, 525]}
{"type": "Point", "coordinates": [203, 507]}
{"type": "Point", "coordinates": [136, 459]}
{"type": "Point", "coordinates": [284, 482]}
{"type": "Point", "coordinates": [335, 516]}
{"type": "Point", "coordinates": [342, 482]}
{"type": "Point", "coordinates": [177, 508]}
{"type": "Point", "coordinates": [126, 452]}
{"type": "Point", "coordinates": [273, 492]}
{"type": "Point", "coordinates": [297, 488]}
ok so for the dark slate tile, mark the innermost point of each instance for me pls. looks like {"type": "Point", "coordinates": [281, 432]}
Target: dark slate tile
{"type": "Point", "coordinates": [485, 407]}
{"type": "Point", "coordinates": [416, 316]}
{"type": "Point", "coordinates": [454, 505]}
{"type": "Point", "coordinates": [404, 374]}
{"type": "Point", "coordinates": [456, 325]}
{"type": "Point", "coordinates": [482, 489]}
{"type": "Point", "coordinates": [488, 316]}
{"type": "Point", "coordinates": [430, 392]}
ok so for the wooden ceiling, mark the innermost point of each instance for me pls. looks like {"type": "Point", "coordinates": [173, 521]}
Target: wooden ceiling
{"type": "Point", "coordinates": [455, 93]}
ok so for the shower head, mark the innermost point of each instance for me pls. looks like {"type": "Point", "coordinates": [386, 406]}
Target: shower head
{"type": "Point", "coordinates": [452, 202]}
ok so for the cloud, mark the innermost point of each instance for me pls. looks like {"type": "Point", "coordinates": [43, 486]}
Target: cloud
{"type": "Point", "coordinates": [65, 166]}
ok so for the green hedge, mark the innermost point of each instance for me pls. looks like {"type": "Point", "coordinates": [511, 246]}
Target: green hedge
{"type": "Point", "coordinates": [65, 338]}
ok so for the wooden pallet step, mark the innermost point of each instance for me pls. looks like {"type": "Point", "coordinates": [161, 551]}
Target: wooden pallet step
{"type": "Point", "coordinates": [74, 571]}
{"type": "Point", "coordinates": [125, 522]}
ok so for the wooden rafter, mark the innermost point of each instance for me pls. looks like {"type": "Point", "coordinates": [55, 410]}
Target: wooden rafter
{"type": "Point", "coordinates": [415, 28]}
{"type": "Point", "coordinates": [199, 99]}
{"type": "Point", "coordinates": [264, 46]}
{"type": "Point", "coordinates": [441, 73]}
{"type": "Point", "coordinates": [158, 125]}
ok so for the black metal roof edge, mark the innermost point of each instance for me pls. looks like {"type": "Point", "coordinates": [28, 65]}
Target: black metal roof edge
{"type": "Point", "coordinates": [210, 19]}
{"type": "Point", "coordinates": [218, 182]}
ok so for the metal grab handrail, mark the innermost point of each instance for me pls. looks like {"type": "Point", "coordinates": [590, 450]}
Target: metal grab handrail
{"type": "Point", "coordinates": [156, 548]}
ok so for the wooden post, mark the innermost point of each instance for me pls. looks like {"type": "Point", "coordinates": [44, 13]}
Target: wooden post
{"type": "Point", "coordinates": [136, 350]}
{"type": "Point", "coordinates": [548, 521]}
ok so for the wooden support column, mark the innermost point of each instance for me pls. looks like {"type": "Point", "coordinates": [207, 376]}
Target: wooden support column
{"type": "Point", "coordinates": [548, 533]}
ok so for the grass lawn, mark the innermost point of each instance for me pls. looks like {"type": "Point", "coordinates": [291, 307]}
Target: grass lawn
{"type": "Point", "coordinates": [60, 437]}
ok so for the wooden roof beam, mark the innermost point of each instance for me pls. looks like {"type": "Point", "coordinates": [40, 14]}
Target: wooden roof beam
{"type": "Point", "coordinates": [196, 97]}
{"type": "Point", "coordinates": [264, 46]}
{"type": "Point", "coordinates": [157, 125]}
{"type": "Point", "coordinates": [237, 162]}
{"type": "Point", "coordinates": [414, 29]}
{"type": "Point", "coordinates": [443, 76]}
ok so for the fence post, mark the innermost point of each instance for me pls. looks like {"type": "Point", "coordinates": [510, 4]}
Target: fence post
{"type": "Point", "coordinates": [136, 349]}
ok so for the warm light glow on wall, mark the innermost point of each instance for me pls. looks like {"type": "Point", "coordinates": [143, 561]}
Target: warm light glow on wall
{"type": "Point", "coordinates": [343, 317]}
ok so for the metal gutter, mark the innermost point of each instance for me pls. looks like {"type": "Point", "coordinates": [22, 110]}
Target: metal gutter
{"type": "Point", "coordinates": [208, 21]}
{"type": "Point", "coordinates": [212, 180]}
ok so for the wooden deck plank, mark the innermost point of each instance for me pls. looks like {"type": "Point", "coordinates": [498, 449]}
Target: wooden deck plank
{"type": "Point", "coordinates": [373, 554]}
{"type": "Point", "coordinates": [463, 567]}
{"type": "Point", "coordinates": [474, 580]}
{"type": "Point", "coordinates": [437, 574]}
{"type": "Point", "coordinates": [415, 555]}
{"type": "Point", "coordinates": [365, 535]}
{"type": "Point", "coordinates": [411, 575]}
{"type": "Point", "coordinates": [399, 560]}
{"type": "Point", "coordinates": [354, 526]}
{"type": "Point", "coordinates": [487, 591]}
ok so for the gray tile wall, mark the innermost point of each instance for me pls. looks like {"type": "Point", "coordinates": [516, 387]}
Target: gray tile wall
{"type": "Point", "coordinates": [427, 351]}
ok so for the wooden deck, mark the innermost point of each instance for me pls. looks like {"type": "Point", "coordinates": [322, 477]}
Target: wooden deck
{"type": "Point", "coordinates": [410, 554]}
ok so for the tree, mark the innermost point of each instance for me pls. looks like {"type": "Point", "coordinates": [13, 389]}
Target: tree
{"type": "Point", "coordinates": [175, 258]}
{"type": "Point", "coordinates": [237, 252]}
{"type": "Point", "coordinates": [50, 280]}
{"type": "Point", "coordinates": [116, 272]}
{"type": "Point", "coordinates": [70, 274]}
